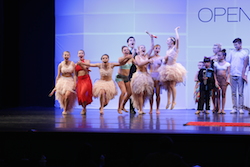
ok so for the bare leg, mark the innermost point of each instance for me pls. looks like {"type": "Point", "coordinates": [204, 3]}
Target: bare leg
{"type": "Point", "coordinates": [151, 101]}
{"type": "Point", "coordinates": [141, 103]}
{"type": "Point", "coordinates": [102, 101]}
{"type": "Point", "coordinates": [122, 95]}
{"type": "Point", "coordinates": [169, 95]}
{"type": "Point", "coordinates": [127, 96]}
{"type": "Point", "coordinates": [83, 108]}
{"type": "Point", "coordinates": [158, 98]}
{"type": "Point", "coordinates": [173, 88]}
{"type": "Point", "coordinates": [224, 90]}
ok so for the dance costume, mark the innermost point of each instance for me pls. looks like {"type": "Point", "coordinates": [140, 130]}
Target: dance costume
{"type": "Point", "coordinates": [65, 84]}
{"type": "Point", "coordinates": [108, 86]}
{"type": "Point", "coordinates": [120, 77]}
{"type": "Point", "coordinates": [156, 63]}
{"type": "Point", "coordinates": [141, 82]}
{"type": "Point", "coordinates": [83, 87]}
{"type": "Point", "coordinates": [174, 71]}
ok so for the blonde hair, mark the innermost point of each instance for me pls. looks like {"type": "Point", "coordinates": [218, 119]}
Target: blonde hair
{"type": "Point", "coordinates": [218, 45]}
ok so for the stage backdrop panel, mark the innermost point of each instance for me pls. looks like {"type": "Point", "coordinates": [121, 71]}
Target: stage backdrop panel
{"type": "Point", "coordinates": [103, 26]}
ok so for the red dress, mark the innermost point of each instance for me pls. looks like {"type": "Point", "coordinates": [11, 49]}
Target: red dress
{"type": "Point", "coordinates": [83, 87]}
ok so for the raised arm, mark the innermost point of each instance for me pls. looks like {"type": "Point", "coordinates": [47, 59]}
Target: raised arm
{"type": "Point", "coordinates": [177, 37]}
{"type": "Point", "coordinates": [152, 44]}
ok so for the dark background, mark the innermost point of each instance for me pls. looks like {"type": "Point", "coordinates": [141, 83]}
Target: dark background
{"type": "Point", "coordinates": [27, 40]}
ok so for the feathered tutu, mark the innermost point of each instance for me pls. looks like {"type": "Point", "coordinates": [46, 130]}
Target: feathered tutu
{"type": "Point", "coordinates": [141, 82]}
{"type": "Point", "coordinates": [63, 85]}
{"type": "Point", "coordinates": [175, 72]}
{"type": "Point", "coordinates": [109, 87]}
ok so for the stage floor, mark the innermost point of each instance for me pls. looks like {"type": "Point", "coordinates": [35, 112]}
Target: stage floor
{"type": "Point", "coordinates": [167, 122]}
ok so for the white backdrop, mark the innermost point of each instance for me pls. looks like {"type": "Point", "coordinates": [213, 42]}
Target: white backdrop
{"type": "Point", "coordinates": [103, 26]}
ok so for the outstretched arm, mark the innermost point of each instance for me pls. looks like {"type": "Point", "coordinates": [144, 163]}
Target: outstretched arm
{"type": "Point", "coordinates": [177, 37]}
{"type": "Point", "coordinates": [82, 64]}
{"type": "Point", "coordinates": [138, 61]}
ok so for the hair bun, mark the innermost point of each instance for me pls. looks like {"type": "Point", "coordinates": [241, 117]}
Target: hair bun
{"type": "Point", "coordinates": [223, 50]}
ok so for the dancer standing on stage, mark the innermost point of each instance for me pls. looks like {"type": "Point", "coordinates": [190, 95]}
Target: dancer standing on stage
{"type": "Point", "coordinates": [65, 84]}
{"type": "Point", "coordinates": [142, 84]}
{"type": "Point", "coordinates": [172, 72]}
{"type": "Point", "coordinates": [207, 83]}
{"type": "Point", "coordinates": [197, 82]}
{"type": "Point", "coordinates": [105, 87]}
{"type": "Point", "coordinates": [214, 92]}
{"type": "Point", "coordinates": [131, 45]}
{"type": "Point", "coordinates": [84, 84]}
{"type": "Point", "coordinates": [237, 58]}
{"type": "Point", "coordinates": [122, 78]}
{"type": "Point", "coordinates": [221, 70]}
{"type": "Point", "coordinates": [153, 70]}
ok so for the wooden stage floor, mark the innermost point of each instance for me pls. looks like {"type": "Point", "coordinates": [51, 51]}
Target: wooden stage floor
{"type": "Point", "coordinates": [167, 122]}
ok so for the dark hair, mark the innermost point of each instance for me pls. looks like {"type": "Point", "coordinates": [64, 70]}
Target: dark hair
{"type": "Point", "coordinates": [105, 55]}
{"type": "Point", "coordinates": [237, 40]}
{"type": "Point", "coordinates": [129, 38]}
{"type": "Point", "coordinates": [81, 50]}
{"type": "Point", "coordinates": [173, 39]}
{"type": "Point", "coordinates": [123, 47]}
{"type": "Point", "coordinates": [223, 51]}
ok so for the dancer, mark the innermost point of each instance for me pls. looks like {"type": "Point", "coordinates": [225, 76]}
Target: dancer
{"type": "Point", "coordinates": [214, 92]}
{"type": "Point", "coordinates": [171, 72]}
{"type": "Point", "coordinates": [207, 83]}
{"type": "Point", "coordinates": [84, 84]}
{"type": "Point", "coordinates": [105, 87]}
{"type": "Point", "coordinates": [142, 84]}
{"type": "Point", "coordinates": [65, 84]}
{"type": "Point", "coordinates": [221, 70]}
{"type": "Point", "coordinates": [197, 82]}
{"type": "Point", "coordinates": [122, 78]}
{"type": "Point", "coordinates": [237, 58]}
{"type": "Point", "coordinates": [153, 70]}
{"type": "Point", "coordinates": [131, 45]}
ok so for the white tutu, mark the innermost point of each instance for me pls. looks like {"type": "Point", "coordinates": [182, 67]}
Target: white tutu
{"type": "Point", "coordinates": [109, 87]}
{"type": "Point", "coordinates": [141, 82]}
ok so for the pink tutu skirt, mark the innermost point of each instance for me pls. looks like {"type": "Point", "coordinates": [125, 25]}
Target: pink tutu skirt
{"type": "Point", "coordinates": [108, 86]}
{"type": "Point", "coordinates": [63, 85]}
{"type": "Point", "coordinates": [141, 82]}
{"type": "Point", "coordinates": [175, 72]}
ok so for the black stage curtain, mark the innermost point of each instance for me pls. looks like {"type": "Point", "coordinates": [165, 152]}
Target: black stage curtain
{"type": "Point", "coordinates": [27, 38]}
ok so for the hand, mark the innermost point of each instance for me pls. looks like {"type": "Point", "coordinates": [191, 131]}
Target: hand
{"type": "Point", "coordinates": [177, 28]}
{"type": "Point", "coordinates": [244, 78]}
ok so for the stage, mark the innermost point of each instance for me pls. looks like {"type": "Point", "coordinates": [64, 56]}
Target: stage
{"type": "Point", "coordinates": [35, 131]}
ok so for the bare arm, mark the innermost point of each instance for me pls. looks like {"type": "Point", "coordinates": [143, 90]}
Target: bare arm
{"type": "Point", "coordinates": [177, 37]}
{"type": "Point", "coordinates": [82, 64]}
{"type": "Point", "coordinates": [123, 60]}
{"type": "Point", "coordinates": [152, 44]}
{"type": "Point", "coordinates": [58, 72]}
{"type": "Point", "coordinates": [138, 61]}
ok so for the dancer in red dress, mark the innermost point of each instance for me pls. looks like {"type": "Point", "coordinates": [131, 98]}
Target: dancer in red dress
{"type": "Point", "coordinates": [84, 84]}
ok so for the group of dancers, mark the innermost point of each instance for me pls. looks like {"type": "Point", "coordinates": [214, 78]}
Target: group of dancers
{"type": "Point", "coordinates": [216, 73]}
{"type": "Point", "coordinates": [141, 74]}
